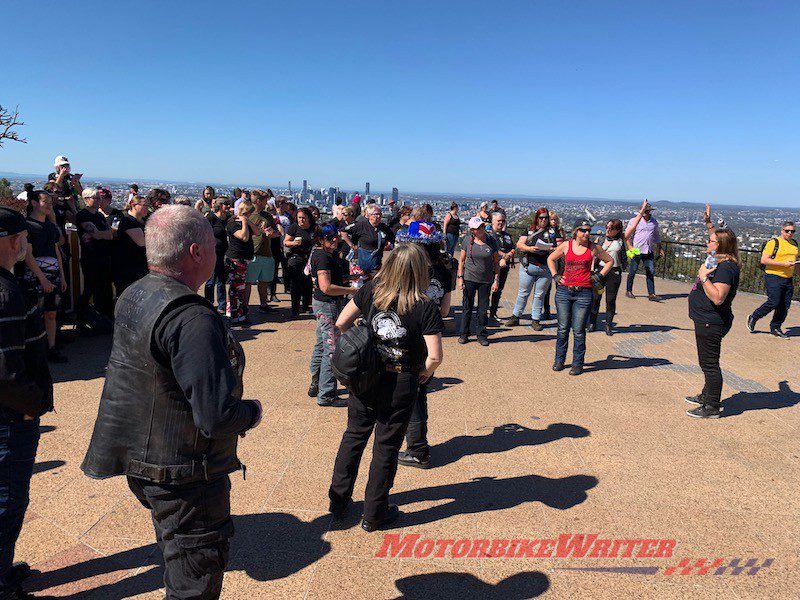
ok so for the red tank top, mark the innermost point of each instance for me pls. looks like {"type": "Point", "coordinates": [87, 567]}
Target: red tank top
{"type": "Point", "coordinates": [578, 268]}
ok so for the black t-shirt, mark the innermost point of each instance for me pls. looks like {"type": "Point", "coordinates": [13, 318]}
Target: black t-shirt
{"type": "Point", "coordinates": [237, 248]}
{"type": "Point", "coordinates": [62, 211]}
{"type": "Point", "coordinates": [220, 233]}
{"type": "Point", "coordinates": [93, 249]}
{"type": "Point", "coordinates": [306, 241]}
{"type": "Point", "coordinates": [127, 257]}
{"type": "Point", "coordinates": [322, 261]}
{"type": "Point", "coordinates": [399, 338]}
{"type": "Point", "coordinates": [504, 241]}
{"type": "Point", "coordinates": [441, 283]}
{"type": "Point", "coordinates": [115, 216]}
{"type": "Point", "coordinates": [546, 236]}
{"type": "Point", "coordinates": [43, 237]}
{"type": "Point", "coordinates": [702, 310]}
{"type": "Point", "coordinates": [365, 236]}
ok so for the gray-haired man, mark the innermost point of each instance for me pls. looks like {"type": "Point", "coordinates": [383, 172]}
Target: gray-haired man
{"type": "Point", "coordinates": [171, 410]}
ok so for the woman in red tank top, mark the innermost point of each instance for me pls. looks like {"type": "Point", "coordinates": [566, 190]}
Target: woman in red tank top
{"type": "Point", "coordinates": [574, 291]}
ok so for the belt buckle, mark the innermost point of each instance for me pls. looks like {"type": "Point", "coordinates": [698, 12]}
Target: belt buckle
{"type": "Point", "coordinates": [394, 368]}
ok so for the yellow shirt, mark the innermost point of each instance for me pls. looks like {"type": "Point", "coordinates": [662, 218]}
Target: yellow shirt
{"type": "Point", "coordinates": [786, 251]}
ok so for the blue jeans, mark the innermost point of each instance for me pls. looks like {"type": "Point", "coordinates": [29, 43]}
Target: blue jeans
{"type": "Point", "coordinates": [573, 312]}
{"type": "Point", "coordinates": [217, 280]}
{"type": "Point", "coordinates": [536, 278]}
{"type": "Point", "coordinates": [326, 314]}
{"type": "Point", "coordinates": [19, 440]}
{"type": "Point", "coordinates": [649, 272]}
{"type": "Point", "coordinates": [779, 298]}
{"type": "Point", "coordinates": [451, 241]}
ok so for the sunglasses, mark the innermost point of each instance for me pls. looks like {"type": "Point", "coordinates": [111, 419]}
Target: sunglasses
{"type": "Point", "coordinates": [789, 230]}
{"type": "Point", "coordinates": [584, 230]}
{"type": "Point", "coordinates": [542, 217]}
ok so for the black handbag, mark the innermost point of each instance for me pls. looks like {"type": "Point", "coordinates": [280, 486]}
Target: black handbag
{"type": "Point", "coordinates": [355, 362]}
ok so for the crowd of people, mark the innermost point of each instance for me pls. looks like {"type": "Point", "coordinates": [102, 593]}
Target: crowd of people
{"type": "Point", "coordinates": [176, 367]}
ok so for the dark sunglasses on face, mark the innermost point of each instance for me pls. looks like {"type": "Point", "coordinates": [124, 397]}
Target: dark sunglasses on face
{"type": "Point", "coordinates": [584, 230]}
{"type": "Point", "coordinates": [789, 230]}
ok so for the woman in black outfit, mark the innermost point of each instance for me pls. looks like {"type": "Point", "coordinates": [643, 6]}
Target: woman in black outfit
{"type": "Point", "coordinates": [299, 241]}
{"type": "Point", "coordinates": [614, 244]}
{"type": "Point", "coordinates": [128, 259]}
{"type": "Point", "coordinates": [218, 217]}
{"type": "Point", "coordinates": [408, 329]}
{"type": "Point", "coordinates": [452, 228]}
{"type": "Point", "coordinates": [710, 308]}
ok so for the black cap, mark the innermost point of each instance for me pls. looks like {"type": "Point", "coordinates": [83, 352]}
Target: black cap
{"type": "Point", "coordinates": [581, 223]}
{"type": "Point", "coordinates": [11, 222]}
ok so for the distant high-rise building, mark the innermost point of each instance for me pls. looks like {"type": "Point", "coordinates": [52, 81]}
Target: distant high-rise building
{"type": "Point", "coordinates": [366, 192]}
{"type": "Point", "coordinates": [395, 195]}
{"type": "Point", "coordinates": [383, 200]}
{"type": "Point", "coordinates": [290, 187]}
{"type": "Point", "coordinates": [332, 196]}
{"type": "Point", "coordinates": [304, 195]}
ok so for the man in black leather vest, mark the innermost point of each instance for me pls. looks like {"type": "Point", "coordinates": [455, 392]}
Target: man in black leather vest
{"type": "Point", "coordinates": [172, 410]}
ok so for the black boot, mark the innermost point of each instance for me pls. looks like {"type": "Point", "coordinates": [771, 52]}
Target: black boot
{"type": "Point", "coordinates": [313, 389]}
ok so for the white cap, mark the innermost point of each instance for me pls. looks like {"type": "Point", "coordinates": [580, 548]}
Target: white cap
{"type": "Point", "coordinates": [60, 160]}
{"type": "Point", "coordinates": [22, 196]}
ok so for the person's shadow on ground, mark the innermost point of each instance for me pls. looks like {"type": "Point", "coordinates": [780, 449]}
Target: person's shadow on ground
{"type": "Point", "coordinates": [266, 546]}
{"type": "Point", "coordinates": [615, 361]}
{"type": "Point", "coordinates": [647, 328]}
{"type": "Point", "coordinates": [502, 439]}
{"type": "Point", "coordinates": [465, 586]}
{"type": "Point", "coordinates": [744, 401]}
{"type": "Point", "coordinates": [484, 494]}
{"type": "Point", "coordinates": [437, 383]}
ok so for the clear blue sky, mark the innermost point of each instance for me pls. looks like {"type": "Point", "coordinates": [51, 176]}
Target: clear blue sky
{"type": "Point", "coordinates": [670, 100]}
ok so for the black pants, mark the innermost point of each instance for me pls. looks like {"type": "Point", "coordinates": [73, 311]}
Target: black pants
{"type": "Point", "coordinates": [613, 282]}
{"type": "Point", "coordinates": [779, 298]}
{"type": "Point", "coordinates": [97, 288]}
{"type": "Point", "coordinates": [417, 433]}
{"type": "Point", "coordinates": [388, 416]}
{"type": "Point", "coordinates": [495, 303]}
{"type": "Point", "coordinates": [468, 301]}
{"type": "Point", "coordinates": [193, 529]}
{"type": "Point", "coordinates": [709, 344]}
{"type": "Point", "coordinates": [301, 286]}
{"type": "Point", "coordinates": [280, 260]}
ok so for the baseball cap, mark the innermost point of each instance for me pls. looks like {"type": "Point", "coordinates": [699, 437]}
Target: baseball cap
{"type": "Point", "coordinates": [60, 160]}
{"type": "Point", "coordinates": [11, 222]}
{"type": "Point", "coordinates": [581, 223]}
{"type": "Point", "coordinates": [475, 223]}
{"type": "Point", "coordinates": [329, 231]}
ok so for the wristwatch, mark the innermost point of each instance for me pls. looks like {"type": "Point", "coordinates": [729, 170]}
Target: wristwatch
{"type": "Point", "coordinates": [704, 279]}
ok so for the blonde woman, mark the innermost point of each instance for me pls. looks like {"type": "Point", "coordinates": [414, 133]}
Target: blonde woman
{"type": "Point", "coordinates": [408, 336]}
{"type": "Point", "coordinates": [240, 251]}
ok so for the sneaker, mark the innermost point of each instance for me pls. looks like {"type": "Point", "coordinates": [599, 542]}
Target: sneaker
{"type": "Point", "coordinates": [483, 341]}
{"type": "Point", "coordinates": [751, 324]}
{"type": "Point", "coordinates": [265, 308]}
{"type": "Point", "coordinates": [591, 327]}
{"type": "Point", "coordinates": [576, 370]}
{"type": "Point", "coordinates": [654, 298]}
{"type": "Point", "coordinates": [462, 339]}
{"type": "Point", "coordinates": [704, 411]}
{"type": "Point", "coordinates": [778, 332]}
{"type": "Point", "coordinates": [243, 321]}
{"type": "Point", "coordinates": [332, 402]}
{"type": "Point", "coordinates": [55, 356]}
{"type": "Point", "coordinates": [390, 517]}
{"type": "Point", "coordinates": [273, 299]}
{"type": "Point", "coordinates": [313, 389]}
{"type": "Point", "coordinates": [559, 366]}
{"type": "Point", "coordinates": [609, 328]}
{"type": "Point", "coordinates": [696, 400]}
{"type": "Point", "coordinates": [409, 460]}
{"type": "Point", "coordinates": [547, 315]}
{"type": "Point", "coordinates": [536, 325]}
{"type": "Point", "coordinates": [629, 295]}
{"type": "Point", "coordinates": [511, 321]}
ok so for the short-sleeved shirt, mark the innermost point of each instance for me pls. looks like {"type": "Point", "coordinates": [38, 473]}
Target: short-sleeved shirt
{"type": "Point", "coordinates": [262, 244]}
{"type": "Point", "coordinates": [127, 255]}
{"type": "Point", "coordinates": [786, 251]}
{"type": "Point", "coordinates": [646, 236]}
{"type": "Point", "coordinates": [99, 250]}
{"type": "Point", "coordinates": [238, 249]}
{"type": "Point", "coordinates": [306, 241]}
{"type": "Point", "coordinates": [702, 310]}
{"type": "Point", "coordinates": [399, 338]}
{"type": "Point", "coordinates": [504, 241]}
{"type": "Point", "coordinates": [365, 236]}
{"type": "Point", "coordinates": [615, 248]}
{"type": "Point", "coordinates": [43, 237]}
{"type": "Point", "coordinates": [479, 264]}
{"type": "Point", "coordinates": [324, 261]}
{"type": "Point", "coordinates": [218, 226]}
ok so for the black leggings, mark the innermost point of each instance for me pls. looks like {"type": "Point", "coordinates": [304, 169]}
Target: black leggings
{"type": "Point", "coordinates": [613, 282]}
{"type": "Point", "coordinates": [495, 301]}
{"type": "Point", "coordinates": [468, 301]}
{"type": "Point", "coordinates": [97, 288]}
{"type": "Point", "coordinates": [709, 346]}
{"type": "Point", "coordinates": [388, 416]}
{"type": "Point", "coordinates": [301, 286]}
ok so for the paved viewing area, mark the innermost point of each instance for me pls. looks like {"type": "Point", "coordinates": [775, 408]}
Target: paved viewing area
{"type": "Point", "coordinates": [519, 453]}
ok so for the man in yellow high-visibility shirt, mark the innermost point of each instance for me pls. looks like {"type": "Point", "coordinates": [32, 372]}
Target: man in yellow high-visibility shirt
{"type": "Point", "coordinates": [780, 264]}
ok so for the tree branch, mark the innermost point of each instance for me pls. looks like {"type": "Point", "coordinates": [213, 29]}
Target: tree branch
{"type": "Point", "coordinates": [8, 121]}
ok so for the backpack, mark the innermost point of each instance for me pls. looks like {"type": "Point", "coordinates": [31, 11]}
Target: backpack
{"type": "Point", "coordinates": [355, 362]}
{"type": "Point", "coordinates": [772, 256]}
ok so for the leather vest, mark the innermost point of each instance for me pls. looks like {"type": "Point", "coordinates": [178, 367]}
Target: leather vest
{"type": "Point", "coordinates": [144, 426]}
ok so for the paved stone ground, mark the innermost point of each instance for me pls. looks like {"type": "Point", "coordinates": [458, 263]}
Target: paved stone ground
{"type": "Point", "coordinates": [521, 452]}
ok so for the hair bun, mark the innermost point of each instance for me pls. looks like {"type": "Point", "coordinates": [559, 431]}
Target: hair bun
{"type": "Point", "coordinates": [28, 187]}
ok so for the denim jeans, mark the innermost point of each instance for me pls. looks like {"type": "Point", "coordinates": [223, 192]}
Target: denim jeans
{"type": "Point", "coordinates": [326, 314]}
{"type": "Point", "coordinates": [573, 313]}
{"type": "Point", "coordinates": [649, 272]}
{"type": "Point", "coordinates": [779, 298]}
{"type": "Point", "coordinates": [536, 278]}
{"type": "Point", "coordinates": [19, 440]}
{"type": "Point", "coordinates": [217, 281]}
{"type": "Point", "coordinates": [451, 243]}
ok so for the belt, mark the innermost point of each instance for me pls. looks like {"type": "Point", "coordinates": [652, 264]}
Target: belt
{"type": "Point", "coordinates": [575, 288]}
{"type": "Point", "coordinates": [395, 368]}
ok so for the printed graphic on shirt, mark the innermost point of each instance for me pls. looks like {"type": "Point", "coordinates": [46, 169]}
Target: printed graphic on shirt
{"type": "Point", "coordinates": [386, 325]}
{"type": "Point", "coordinates": [435, 291]}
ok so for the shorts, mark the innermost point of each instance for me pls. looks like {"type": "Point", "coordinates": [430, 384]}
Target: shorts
{"type": "Point", "coordinates": [261, 268]}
